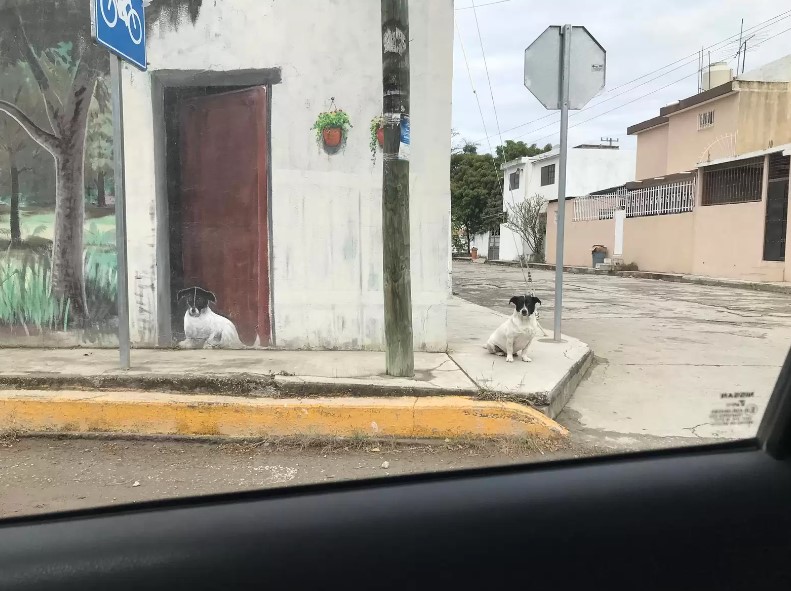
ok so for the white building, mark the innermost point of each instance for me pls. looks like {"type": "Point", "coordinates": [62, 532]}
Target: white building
{"type": "Point", "coordinates": [590, 167]}
{"type": "Point", "coordinates": [228, 186]}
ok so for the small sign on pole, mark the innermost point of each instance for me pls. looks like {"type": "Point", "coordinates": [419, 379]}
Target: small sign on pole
{"type": "Point", "coordinates": [565, 67]}
{"type": "Point", "coordinates": [119, 26]}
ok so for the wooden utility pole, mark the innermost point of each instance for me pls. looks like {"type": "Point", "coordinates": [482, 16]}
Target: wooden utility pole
{"type": "Point", "coordinates": [395, 189]}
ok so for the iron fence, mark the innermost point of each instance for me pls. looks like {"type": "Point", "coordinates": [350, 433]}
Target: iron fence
{"type": "Point", "coordinates": [670, 198]}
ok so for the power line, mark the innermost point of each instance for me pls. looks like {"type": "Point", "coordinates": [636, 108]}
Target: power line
{"type": "Point", "coordinates": [727, 41]}
{"type": "Point", "coordinates": [724, 43]}
{"type": "Point", "coordinates": [611, 110]}
{"type": "Point", "coordinates": [528, 279]}
{"type": "Point", "coordinates": [483, 5]}
{"type": "Point", "coordinates": [486, 67]}
{"type": "Point", "coordinates": [645, 95]}
{"type": "Point", "coordinates": [472, 86]}
{"type": "Point", "coordinates": [779, 17]}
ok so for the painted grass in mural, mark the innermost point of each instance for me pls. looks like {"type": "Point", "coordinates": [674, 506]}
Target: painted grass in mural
{"type": "Point", "coordinates": [27, 305]}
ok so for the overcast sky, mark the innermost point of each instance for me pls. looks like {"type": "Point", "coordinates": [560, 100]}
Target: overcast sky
{"type": "Point", "coordinates": [639, 36]}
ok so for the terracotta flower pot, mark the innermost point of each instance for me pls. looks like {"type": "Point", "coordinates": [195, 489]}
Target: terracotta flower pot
{"type": "Point", "coordinates": [332, 136]}
{"type": "Point", "coordinates": [380, 136]}
{"type": "Point", "coordinates": [474, 253]}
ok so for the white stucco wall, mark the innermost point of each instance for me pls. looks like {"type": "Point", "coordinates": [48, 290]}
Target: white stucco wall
{"type": "Point", "coordinates": [326, 209]}
{"type": "Point", "coordinates": [594, 170]}
{"type": "Point", "coordinates": [589, 169]}
{"type": "Point", "coordinates": [481, 242]}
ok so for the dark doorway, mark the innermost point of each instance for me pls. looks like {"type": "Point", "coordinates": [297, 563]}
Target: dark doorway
{"type": "Point", "coordinates": [776, 208]}
{"type": "Point", "coordinates": [217, 203]}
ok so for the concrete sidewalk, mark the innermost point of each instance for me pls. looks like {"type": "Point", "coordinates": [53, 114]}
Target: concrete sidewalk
{"type": "Point", "coordinates": [217, 371]}
{"type": "Point", "coordinates": [468, 369]}
{"type": "Point", "coordinates": [465, 391]}
{"type": "Point", "coordinates": [547, 382]}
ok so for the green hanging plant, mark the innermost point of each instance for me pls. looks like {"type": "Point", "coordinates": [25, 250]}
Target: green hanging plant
{"type": "Point", "coordinates": [335, 119]}
{"type": "Point", "coordinates": [377, 123]}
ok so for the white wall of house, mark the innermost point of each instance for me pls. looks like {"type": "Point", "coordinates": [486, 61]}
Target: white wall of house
{"type": "Point", "coordinates": [589, 169]}
{"type": "Point", "coordinates": [481, 242]}
{"type": "Point", "coordinates": [326, 209]}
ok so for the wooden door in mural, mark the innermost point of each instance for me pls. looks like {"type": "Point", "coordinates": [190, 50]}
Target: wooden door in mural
{"type": "Point", "coordinates": [225, 249]}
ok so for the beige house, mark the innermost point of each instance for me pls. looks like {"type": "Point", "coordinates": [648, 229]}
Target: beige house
{"type": "Point", "coordinates": [712, 194]}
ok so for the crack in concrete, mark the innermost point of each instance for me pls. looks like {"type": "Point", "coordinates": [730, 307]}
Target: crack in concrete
{"type": "Point", "coordinates": [693, 430]}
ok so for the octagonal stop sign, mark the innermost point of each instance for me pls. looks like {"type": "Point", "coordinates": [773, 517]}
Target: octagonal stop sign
{"type": "Point", "coordinates": [543, 67]}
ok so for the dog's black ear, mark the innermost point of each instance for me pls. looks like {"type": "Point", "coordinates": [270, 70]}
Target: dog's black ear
{"type": "Point", "coordinates": [536, 300]}
{"type": "Point", "coordinates": [206, 294]}
{"type": "Point", "coordinates": [514, 300]}
{"type": "Point", "coordinates": [183, 293]}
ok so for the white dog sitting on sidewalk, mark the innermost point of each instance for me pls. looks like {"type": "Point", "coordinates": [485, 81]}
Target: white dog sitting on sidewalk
{"type": "Point", "coordinates": [514, 335]}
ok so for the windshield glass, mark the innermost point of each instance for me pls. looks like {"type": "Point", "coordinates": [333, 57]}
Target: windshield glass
{"type": "Point", "coordinates": [247, 244]}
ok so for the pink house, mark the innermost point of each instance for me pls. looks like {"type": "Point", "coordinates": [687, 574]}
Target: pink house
{"type": "Point", "coordinates": [713, 188]}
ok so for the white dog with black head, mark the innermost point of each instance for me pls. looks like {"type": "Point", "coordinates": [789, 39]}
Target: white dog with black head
{"type": "Point", "coordinates": [514, 335]}
{"type": "Point", "coordinates": [202, 326]}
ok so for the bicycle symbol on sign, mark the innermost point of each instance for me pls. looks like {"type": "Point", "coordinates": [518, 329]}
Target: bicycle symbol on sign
{"type": "Point", "coordinates": [112, 10]}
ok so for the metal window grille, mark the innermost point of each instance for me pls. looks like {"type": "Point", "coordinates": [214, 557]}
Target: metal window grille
{"type": "Point", "coordinates": [705, 119]}
{"type": "Point", "coordinates": [733, 182]}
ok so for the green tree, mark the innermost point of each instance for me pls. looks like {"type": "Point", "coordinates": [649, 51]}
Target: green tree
{"type": "Point", "coordinates": [512, 150]}
{"type": "Point", "coordinates": [460, 145]}
{"type": "Point", "coordinates": [469, 148]}
{"type": "Point", "coordinates": [476, 183]}
{"type": "Point", "coordinates": [475, 190]}
{"type": "Point", "coordinates": [27, 29]}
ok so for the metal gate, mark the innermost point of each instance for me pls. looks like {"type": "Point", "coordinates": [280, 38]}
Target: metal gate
{"type": "Point", "coordinates": [776, 208]}
{"type": "Point", "coordinates": [494, 245]}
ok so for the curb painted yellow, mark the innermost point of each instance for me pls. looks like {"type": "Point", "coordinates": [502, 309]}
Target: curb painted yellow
{"type": "Point", "coordinates": [152, 413]}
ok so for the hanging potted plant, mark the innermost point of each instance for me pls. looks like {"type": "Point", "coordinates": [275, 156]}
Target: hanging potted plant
{"type": "Point", "coordinates": [331, 127]}
{"type": "Point", "coordinates": [377, 134]}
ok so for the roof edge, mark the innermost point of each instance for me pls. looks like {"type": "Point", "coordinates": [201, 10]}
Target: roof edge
{"type": "Point", "coordinates": [682, 105]}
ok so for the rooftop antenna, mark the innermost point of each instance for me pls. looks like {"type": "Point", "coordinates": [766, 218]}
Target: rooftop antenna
{"type": "Point", "coordinates": [609, 140]}
{"type": "Point", "coordinates": [739, 53]}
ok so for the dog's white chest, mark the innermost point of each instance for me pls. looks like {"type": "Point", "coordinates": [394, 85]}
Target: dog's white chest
{"type": "Point", "coordinates": [521, 339]}
{"type": "Point", "coordinates": [199, 327]}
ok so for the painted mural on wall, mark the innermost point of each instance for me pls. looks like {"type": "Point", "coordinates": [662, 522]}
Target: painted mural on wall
{"type": "Point", "coordinates": [218, 215]}
{"type": "Point", "coordinates": [57, 228]}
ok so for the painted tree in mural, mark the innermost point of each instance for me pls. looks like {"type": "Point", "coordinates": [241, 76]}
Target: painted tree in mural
{"type": "Point", "coordinates": [99, 146]}
{"type": "Point", "coordinates": [15, 144]}
{"type": "Point", "coordinates": [31, 29]}
{"type": "Point", "coordinates": [28, 31]}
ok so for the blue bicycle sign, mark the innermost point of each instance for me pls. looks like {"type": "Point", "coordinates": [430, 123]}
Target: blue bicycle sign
{"type": "Point", "coordinates": [119, 25]}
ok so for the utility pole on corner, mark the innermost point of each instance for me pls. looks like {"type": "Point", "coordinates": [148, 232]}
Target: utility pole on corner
{"type": "Point", "coordinates": [395, 189]}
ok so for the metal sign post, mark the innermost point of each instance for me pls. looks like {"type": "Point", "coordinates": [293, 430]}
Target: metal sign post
{"type": "Point", "coordinates": [120, 211]}
{"type": "Point", "coordinates": [119, 26]}
{"type": "Point", "coordinates": [565, 60]}
{"type": "Point", "coordinates": [564, 69]}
